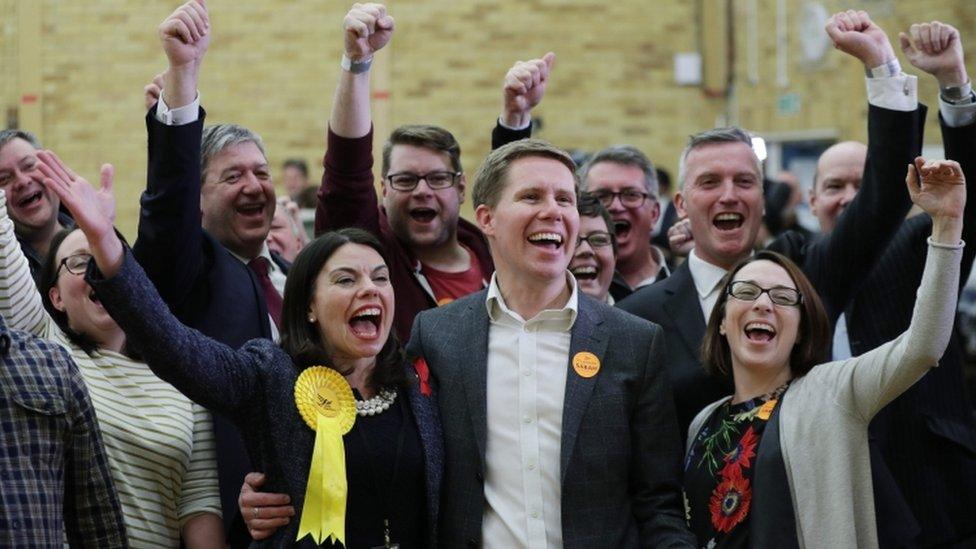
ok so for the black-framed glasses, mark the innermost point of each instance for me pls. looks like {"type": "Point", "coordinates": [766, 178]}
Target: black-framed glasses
{"type": "Point", "coordinates": [75, 263]}
{"type": "Point", "coordinates": [630, 198]}
{"type": "Point", "coordinates": [596, 239]}
{"type": "Point", "coordinates": [745, 290]}
{"type": "Point", "coordinates": [407, 181]}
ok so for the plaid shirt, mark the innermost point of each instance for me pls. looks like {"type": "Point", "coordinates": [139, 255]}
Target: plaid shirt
{"type": "Point", "coordinates": [54, 477]}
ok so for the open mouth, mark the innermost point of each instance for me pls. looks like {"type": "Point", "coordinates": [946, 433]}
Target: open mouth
{"type": "Point", "coordinates": [760, 332]}
{"type": "Point", "coordinates": [30, 199]}
{"type": "Point", "coordinates": [621, 227]}
{"type": "Point", "coordinates": [423, 215]}
{"type": "Point", "coordinates": [251, 210]}
{"type": "Point", "coordinates": [366, 322]}
{"type": "Point", "coordinates": [585, 272]}
{"type": "Point", "coordinates": [549, 241]}
{"type": "Point", "coordinates": [728, 221]}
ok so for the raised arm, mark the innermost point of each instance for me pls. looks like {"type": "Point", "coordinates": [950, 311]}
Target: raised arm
{"type": "Point", "coordinates": [20, 302]}
{"type": "Point", "coordinates": [936, 48]}
{"type": "Point", "coordinates": [841, 260]}
{"type": "Point", "coordinates": [346, 197]}
{"type": "Point", "coordinates": [206, 371]}
{"type": "Point", "coordinates": [523, 88]}
{"type": "Point", "coordinates": [170, 244]}
{"type": "Point", "coordinates": [877, 377]}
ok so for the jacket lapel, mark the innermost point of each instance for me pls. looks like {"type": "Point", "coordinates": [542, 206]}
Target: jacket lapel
{"type": "Point", "coordinates": [473, 365]}
{"type": "Point", "coordinates": [683, 306]}
{"type": "Point", "coordinates": [586, 336]}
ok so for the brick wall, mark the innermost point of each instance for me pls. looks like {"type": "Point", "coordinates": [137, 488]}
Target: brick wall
{"type": "Point", "coordinates": [272, 67]}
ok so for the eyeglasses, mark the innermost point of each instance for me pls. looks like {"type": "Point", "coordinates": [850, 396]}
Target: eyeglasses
{"type": "Point", "coordinates": [435, 180]}
{"type": "Point", "coordinates": [596, 239]}
{"type": "Point", "coordinates": [629, 197]}
{"type": "Point", "coordinates": [745, 290]}
{"type": "Point", "coordinates": [75, 264]}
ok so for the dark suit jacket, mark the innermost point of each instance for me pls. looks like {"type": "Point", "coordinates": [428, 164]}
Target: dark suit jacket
{"type": "Point", "coordinates": [927, 436]}
{"type": "Point", "coordinates": [205, 286]}
{"type": "Point", "coordinates": [253, 385]}
{"type": "Point", "coordinates": [835, 264]}
{"type": "Point", "coordinates": [620, 455]}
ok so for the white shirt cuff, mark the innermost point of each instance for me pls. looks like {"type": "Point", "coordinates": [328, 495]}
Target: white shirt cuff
{"type": "Point", "coordinates": [507, 127]}
{"type": "Point", "coordinates": [957, 116]}
{"type": "Point", "coordinates": [179, 116]}
{"type": "Point", "coordinates": [897, 93]}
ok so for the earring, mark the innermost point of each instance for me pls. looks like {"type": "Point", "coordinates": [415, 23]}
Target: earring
{"type": "Point", "coordinates": [311, 319]}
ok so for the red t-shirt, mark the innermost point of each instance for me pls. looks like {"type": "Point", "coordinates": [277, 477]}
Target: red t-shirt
{"type": "Point", "coordinates": [449, 286]}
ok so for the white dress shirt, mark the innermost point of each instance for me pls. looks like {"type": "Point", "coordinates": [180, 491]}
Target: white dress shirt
{"type": "Point", "coordinates": [707, 279]}
{"type": "Point", "coordinates": [527, 368]}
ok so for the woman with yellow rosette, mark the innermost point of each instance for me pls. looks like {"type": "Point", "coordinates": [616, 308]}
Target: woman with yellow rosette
{"type": "Point", "coordinates": [295, 404]}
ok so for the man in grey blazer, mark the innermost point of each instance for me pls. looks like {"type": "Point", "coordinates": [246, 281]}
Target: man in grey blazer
{"type": "Point", "coordinates": [559, 428]}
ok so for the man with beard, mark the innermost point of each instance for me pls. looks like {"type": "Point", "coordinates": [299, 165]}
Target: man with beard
{"type": "Point", "coordinates": [435, 257]}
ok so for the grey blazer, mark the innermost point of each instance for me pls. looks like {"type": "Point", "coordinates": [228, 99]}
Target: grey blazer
{"type": "Point", "coordinates": [621, 454]}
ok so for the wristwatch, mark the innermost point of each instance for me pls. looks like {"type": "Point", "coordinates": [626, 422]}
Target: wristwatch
{"type": "Point", "coordinates": [957, 95]}
{"type": "Point", "coordinates": [355, 67]}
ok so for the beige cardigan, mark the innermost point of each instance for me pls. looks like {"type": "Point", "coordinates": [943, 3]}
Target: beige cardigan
{"type": "Point", "coordinates": [824, 420]}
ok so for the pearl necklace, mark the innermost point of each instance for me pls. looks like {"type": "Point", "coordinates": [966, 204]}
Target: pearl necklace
{"type": "Point", "coordinates": [378, 404]}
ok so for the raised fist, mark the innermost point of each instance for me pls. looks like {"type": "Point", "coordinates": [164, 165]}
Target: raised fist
{"type": "Point", "coordinates": [525, 84]}
{"type": "Point", "coordinates": [935, 48]}
{"type": "Point", "coordinates": [367, 29]}
{"type": "Point", "coordinates": [938, 187]}
{"type": "Point", "coordinates": [855, 34]}
{"type": "Point", "coordinates": [185, 34]}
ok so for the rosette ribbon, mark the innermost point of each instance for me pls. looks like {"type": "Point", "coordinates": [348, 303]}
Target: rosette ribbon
{"type": "Point", "coordinates": [327, 405]}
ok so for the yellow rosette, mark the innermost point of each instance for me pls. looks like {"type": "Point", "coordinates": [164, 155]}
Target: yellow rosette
{"type": "Point", "coordinates": [328, 406]}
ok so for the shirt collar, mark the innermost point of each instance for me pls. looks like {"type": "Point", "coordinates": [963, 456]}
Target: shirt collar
{"type": "Point", "coordinates": [265, 253]}
{"type": "Point", "coordinates": [560, 320]}
{"type": "Point", "coordinates": [705, 275]}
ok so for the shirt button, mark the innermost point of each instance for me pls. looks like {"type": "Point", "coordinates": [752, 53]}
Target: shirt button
{"type": "Point", "coordinates": [531, 466]}
{"type": "Point", "coordinates": [527, 372]}
{"type": "Point", "coordinates": [526, 419]}
{"type": "Point", "coordinates": [535, 514]}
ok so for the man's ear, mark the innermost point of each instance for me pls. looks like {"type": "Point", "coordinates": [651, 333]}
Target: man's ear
{"type": "Point", "coordinates": [383, 188]}
{"type": "Point", "coordinates": [54, 294]}
{"type": "Point", "coordinates": [462, 185]}
{"type": "Point", "coordinates": [486, 219]}
{"type": "Point", "coordinates": [679, 205]}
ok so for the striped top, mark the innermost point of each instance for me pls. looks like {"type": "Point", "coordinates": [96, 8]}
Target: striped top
{"type": "Point", "coordinates": [160, 445]}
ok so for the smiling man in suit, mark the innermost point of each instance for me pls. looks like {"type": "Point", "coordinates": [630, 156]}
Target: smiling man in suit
{"type": "Point", "coordinates": [558, 423]}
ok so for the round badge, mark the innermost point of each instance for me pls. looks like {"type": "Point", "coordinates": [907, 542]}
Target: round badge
{"type": "Point", "coordinates": [323, 391]}
{"type": "Point", "coordinates": [586, 364]}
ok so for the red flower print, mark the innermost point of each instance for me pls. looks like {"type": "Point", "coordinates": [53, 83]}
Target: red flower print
{"type": "Point", "coordinates": [729, 504]}
{"type": "Point", "coordinates": [741, 455]}
{"type": "Point", "coordinates": [423, 373]}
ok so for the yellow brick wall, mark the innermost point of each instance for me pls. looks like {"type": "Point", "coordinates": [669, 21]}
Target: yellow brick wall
{"type": "Point", "coordinates": [272, 67]}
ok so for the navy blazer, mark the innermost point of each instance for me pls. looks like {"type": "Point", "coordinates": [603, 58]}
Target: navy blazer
{"type": "Point", "coordinates": [253, 385]}
{"type": "Point", "coordinates": [205, 286]}
{"type": "Point", "coordinates": [620, 456]}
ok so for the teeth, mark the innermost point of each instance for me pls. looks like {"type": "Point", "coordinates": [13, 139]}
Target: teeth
{"type": "Point", "coordinates": [539, 237]}
{"type": "Point", "coordinates": [585, 269]}
{"type": "Point", "coordinates": [728, 217]}
{"type": "Point", "coordinates": [761, 326]}
{"type": "Point", "coordinates": [375, 311]}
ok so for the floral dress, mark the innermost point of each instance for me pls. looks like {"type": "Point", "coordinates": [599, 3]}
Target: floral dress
{"type": "Point", "coordinates": [719, 471]}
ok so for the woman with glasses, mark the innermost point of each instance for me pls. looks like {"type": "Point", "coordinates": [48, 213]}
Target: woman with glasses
{"type": "Point", "coordinates": [159, 444]}
{"type": "Point", "coordinates": [784, 461]}
{"type": "Point", "coordinates": [595, 257]}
